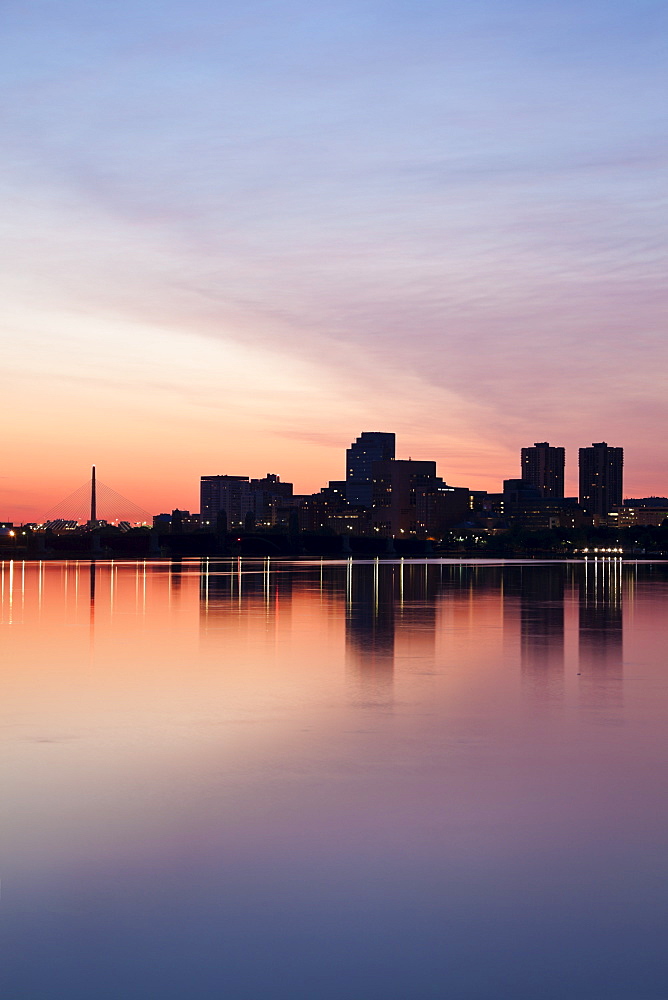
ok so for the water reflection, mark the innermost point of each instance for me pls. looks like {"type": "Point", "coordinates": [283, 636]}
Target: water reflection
{"type": "Point", "coordinates": [393, 613]}
{"type": "Point", "coordinates": [542, 617]}
{"type": "Point", "coordinates": [601, 633]}
{"type": "Point", "coordinates": [371, 603]}
{"type": "Point", "coordinates": [326, 779]}
{"type": "Point", "coordinates": [175, 576]}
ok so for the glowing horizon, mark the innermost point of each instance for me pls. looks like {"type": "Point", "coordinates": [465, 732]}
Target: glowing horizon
{"type": "Point", "coordinates": [235, 240]}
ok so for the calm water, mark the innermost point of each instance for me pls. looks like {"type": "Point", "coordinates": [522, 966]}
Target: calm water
{"type": "Point", "coordinates": [362, 781]}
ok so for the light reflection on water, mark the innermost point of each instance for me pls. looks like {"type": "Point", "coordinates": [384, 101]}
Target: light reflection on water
{"type": "Point", "coordinates": [334, 779]}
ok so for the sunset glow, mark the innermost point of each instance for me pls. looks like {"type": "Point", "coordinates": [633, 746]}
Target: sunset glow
{"type": "Point", "coordinates": [235, 239]}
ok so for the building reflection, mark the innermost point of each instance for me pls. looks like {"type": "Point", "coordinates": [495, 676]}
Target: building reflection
{"type": "Point", "coordinates": [393, 612]}
{"type": "Point", "coordinates": [390, 623]}
{"type": "Point", "coordinates": [92, 583]}
{"type": "Point", "coordinates": [394, 617]}
{"type": "Point", "coordinates": [601, 633]}
{"type": "Point", "coordinates": [370, 630]}
{"type": "Point", "coordinates": [420, 587]}
{"type": "Point", "coordinates": [231, 583]}
{"type": "Point", "coordinates": [542, 633]}
{"type": "Point", "coordinates": [388, 609]}
{"type": "Point", "coordinates": [176, 570]}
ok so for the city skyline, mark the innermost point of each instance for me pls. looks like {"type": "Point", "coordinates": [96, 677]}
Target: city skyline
{"type": "Point", "coordinates": [20, 503]}
{"type": "Point", "coordinates": [541, 468]}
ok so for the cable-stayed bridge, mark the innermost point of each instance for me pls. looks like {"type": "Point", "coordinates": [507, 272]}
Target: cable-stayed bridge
{"type": "Point", "coordinates": [93, 504]}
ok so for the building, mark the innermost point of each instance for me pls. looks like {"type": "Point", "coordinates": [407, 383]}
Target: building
{"type": "Point", "coordinates": [543, 468]}
{"type": "Point", "coordinates": [396, 485]}
{"type": "Point", "coordinates": [270, 495]}
{"type": "Point", "coordinates": [632, 517]}
{"type": "Point", "coordinates": [232, 495]}
{"type": "Point", "coordinates": [176, 523]}
{"type": "Point", "coordinates": [522, 504]}
{"type": "Point", "coordinates": [335, 492]}
{"type": "Point", "coordinates": [549, 512]}
{"type": "Point", "coordinates": [647, 502]}
{"type": "Point", "coordinates": [330, 510]}
{"type": "Point", "coordinates": [242, 500]}
{"type": "Point", "coordinates": [370, 447]}
{"type": "Point", "coordinates": [516, 492]}
{"type": "Point", "coordinates": [643, 512]}
{"type": "Point", "coordinates": [440, 507]}
{"type": "Point", "coordinates": [601, 478]}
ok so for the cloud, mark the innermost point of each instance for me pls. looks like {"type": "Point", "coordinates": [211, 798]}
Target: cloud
{"type": "Point", "coordinates": [447, 218]}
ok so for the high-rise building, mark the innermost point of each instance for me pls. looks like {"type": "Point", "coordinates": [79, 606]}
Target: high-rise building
{"type": "Point", "coordinates": [239, 497]}
{"type": "Point", "coordinates": [232, 495]}
{"type": "Point", "coordinates": [440, 507]}
{"type": "Point", "coordinates": [370, 447]}
{"type": "Point", "coordinates": [601, 483]}
{"type": "Point", "coordinates": [543, 468]}
{"type": "Point", "coordinates": [395, 490]}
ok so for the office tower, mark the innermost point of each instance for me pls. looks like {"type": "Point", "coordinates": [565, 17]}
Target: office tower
{"type": "Point", "coordinates": [440, 507]}
{"type": "Point", "coordinates": [543, 468]}
{"type": "Point", "coordinates": [601, 478]}
{"type": "Point", "coordinates": [240, 497]}
{"type": "Point", "coordinates": [395, 490]}
{"type": "Point", "coordinates": [370, 447]}
{"type": "Point", "coordinates": [232, 494]}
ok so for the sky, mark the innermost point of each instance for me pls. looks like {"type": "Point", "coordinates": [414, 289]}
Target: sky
{"type": "Point", "coordinates": [234, 238]}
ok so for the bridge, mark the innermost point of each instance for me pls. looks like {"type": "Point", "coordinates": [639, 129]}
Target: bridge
{"type": "Point", "coordinates": [93, 505]}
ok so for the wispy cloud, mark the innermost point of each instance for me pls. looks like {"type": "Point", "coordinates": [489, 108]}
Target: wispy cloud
{"type": "Point", "coordinates": [447, 214]}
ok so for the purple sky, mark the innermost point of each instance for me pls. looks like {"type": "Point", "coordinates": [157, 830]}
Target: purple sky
{"type": "Point", "coordinates": [235, 239]}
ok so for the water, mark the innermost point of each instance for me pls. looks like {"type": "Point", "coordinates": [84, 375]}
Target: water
{"type": "Point", "coordinates": [334, 780]}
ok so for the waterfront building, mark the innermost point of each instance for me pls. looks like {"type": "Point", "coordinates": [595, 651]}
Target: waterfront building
{"type": "Point", "coordinates": [601, 478]}
{"type": "Point", "coordinates": [270, 497]}
{"type": "Point", "coordinates": [395, 488]}
{"type": "Point", "coordinates": [631, 517]}
{"type": "Point", "coordinates": [178, 522]}
{"type": "Point", "coordinates": [242, 500]}
{"type": "Point", "coordinates": [543, 468]}
{"type": "Point", "coordinates": [440, 507]}
{"type": "Point", "coordinates": [230, 494]}
{"type": "Point", "coordinates": [369, 447]}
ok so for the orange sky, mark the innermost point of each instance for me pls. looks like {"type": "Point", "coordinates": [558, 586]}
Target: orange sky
{"type": "Point", "coordinates": [234, 241]}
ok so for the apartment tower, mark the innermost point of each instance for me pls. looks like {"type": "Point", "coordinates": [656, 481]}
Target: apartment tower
{"type": "Point", "coordinates": [543, 468]}
{"type": "Point", "coordinates": [601, 478]}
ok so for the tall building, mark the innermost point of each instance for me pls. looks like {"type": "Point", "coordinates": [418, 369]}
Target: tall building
{"type": "Point", "coordinates": [543, 468]}
{"type": "Point", "coordinates": [601, 482]}
{"type": "Point", "coordinates": [395, 490]}
{"type": "Point", "coordinates": [370, 447]}
{"type": "Point", "coordinates": [440, 507]}
{"type": "Point", "coordinates": [238, 497]}
{"type": "Point", "coordinates": [231, 494]}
